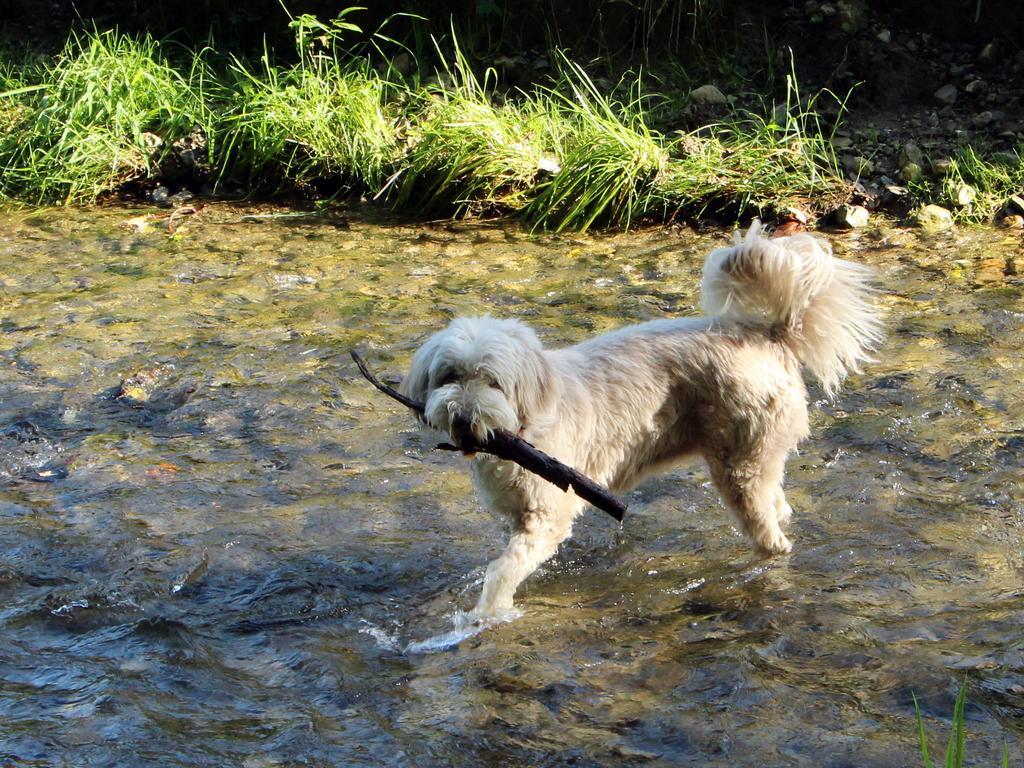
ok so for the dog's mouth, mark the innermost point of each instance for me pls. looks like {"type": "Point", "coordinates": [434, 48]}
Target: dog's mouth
{"type": "Point", "coordinates": [461, 430]}
{"type": "Point", "coordinates": [470, 414]}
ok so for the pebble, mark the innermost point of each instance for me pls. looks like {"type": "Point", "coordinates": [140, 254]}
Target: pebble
{"type": "Point", "coordinates": [965, 195]}
{"type": "Point", "coordinates": [941, 166]}
{"type": "Point", "coordinates": [548, 165]}
{"type": "Point", "coordinates": [946, 95]}
{"type": "Point", "coordinates": [151, 142]}
{"type": "Point", "coordinates": [160, 196]}
{"type": "Point", "coordinates": [852, 216]}
{"type": "Point", "coordinates": [884, 36]}
{"type": "Point", "coordinates": [180, 198]}
{"type": "Point", "coordinates": [797, 213]}
{"type": "Point", "coordinates": [403, 63]}
{"type": "Point", "coordinates": [911, 172]}
{"type": "Point", "coordinates": [707, 94]}
{"type": "Point", "coordinates": [933, 217]}
{"type": "Point", "coordinates": [1012, 221]}
{"type": "Point", "coordinates": [910, 153]}
{"type": "Point", "coordinates": [1016, 203]}
{"type": "Point", "coordinates": [857, 165]}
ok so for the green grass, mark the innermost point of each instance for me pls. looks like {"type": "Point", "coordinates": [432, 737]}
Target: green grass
{"type": "Point", "coordinates": [608, 161]}
{"type": "Point", "coordinates": [955, 744]}
{"type": "Point", "coordinates": [326, 118]}
{"type": "Point", "coordinates": [287, 129]}
{"type": "Point", "coordinates": [992, 182]}
{"type": "Point", "coordinates": [469, 153]}
{"type": "Point", "coordinates": [84, 124]}
{"type": "Point", "coordinates": [104, 114]}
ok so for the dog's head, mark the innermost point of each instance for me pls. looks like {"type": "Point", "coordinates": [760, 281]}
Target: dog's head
{"type": "Point", "coordinates": [493, 372]}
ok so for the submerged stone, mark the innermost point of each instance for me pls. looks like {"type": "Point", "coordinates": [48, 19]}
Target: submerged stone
{"type": "Point", "coordinates": [991, 270]}
{"type": "Point", "coordinates": [149, 387]}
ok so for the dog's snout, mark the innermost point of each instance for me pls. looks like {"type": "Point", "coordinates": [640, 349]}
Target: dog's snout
{"type": "Point", "coordinates": [461, 431]}
{"type": "Point", "coordinates": [468, 411]}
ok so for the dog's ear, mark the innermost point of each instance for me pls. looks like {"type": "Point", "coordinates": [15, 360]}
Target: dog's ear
{"type": "Point", "coordinates": [538, 390]}
{"type": "Point", "coordinates": [416, 384]}
{"type": "Point", "coordinates": [536, 386]}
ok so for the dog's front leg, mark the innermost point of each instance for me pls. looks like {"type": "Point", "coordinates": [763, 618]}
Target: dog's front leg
{"type": "Point", "coordinates": [528, 547]}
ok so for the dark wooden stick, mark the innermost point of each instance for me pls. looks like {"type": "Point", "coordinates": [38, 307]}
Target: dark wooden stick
{"type": "Point", "coordinates": [510, 447]}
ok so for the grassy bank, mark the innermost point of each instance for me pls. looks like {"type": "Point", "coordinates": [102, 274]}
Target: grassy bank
{"type": "Point", "coordinates": [976, 188]}
{"type": "Point", "coordinates": [115, 114]}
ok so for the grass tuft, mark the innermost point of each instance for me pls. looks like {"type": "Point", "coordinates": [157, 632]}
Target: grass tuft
{"type": "Point", "coordinates": [992, 183]}
{"type": "Point", "coordinates": [756, 165]}
{"type": "Point", "coordinates": [84, 125]}
{"type": "Point", "coordinates": [286, 129]}
{"type": "Point", "coordinates": [324, 119]}
{"type": "Point", "coordinates": [955, 744]}
{"type": "Point", "coordinates": [469, 152]}
{"type": "Point", "coordinates": [610, 158]}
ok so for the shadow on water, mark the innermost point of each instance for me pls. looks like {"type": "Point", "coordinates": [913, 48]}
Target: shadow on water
{"type": "Point", "coordinates": [218, 544]}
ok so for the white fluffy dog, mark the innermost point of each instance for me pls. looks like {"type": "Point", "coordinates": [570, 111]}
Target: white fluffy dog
{"type": "Point", "coordinates": [624, 405]}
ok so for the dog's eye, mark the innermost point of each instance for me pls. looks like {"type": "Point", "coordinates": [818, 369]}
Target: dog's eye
{"type": "Point", "coordinates": [448, 378]}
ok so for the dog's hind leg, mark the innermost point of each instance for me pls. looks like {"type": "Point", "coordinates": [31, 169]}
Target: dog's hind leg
{"type": "Point", "coordinates": [752, 488]}
{"type": "Point", "coordinates": [528, 547]}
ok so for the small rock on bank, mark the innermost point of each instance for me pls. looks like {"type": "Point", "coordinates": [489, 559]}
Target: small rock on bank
{"type": "Point", "coordinates": [933, 217]}
{"type": "Point", "coordinates": [708, 94]}
{"type": "Point", "coordinates": [946, 95]}
{"type": "Point", "coordinates": [852, 216]}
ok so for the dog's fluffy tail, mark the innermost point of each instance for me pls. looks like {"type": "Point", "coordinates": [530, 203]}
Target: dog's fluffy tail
{"type": "Point", "coordinates": [819, 305]}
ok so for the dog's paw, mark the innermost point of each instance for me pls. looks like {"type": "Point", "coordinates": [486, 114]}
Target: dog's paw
{"type": "Point", "coordinates": [486, 617]}
{"type": "Point", "coordinates": [776, 544]}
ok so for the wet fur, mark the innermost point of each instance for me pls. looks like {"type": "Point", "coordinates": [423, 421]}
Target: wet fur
{"type": "Point", "coordinates": [622, 406]}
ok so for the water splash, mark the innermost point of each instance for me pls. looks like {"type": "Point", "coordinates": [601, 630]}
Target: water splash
{"type": "Point", "coordinates": [385, 640]}
{"type": "Point", "coordinates": [465, 627]}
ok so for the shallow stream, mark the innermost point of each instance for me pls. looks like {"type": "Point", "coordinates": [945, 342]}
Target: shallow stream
{"type": "Point", "coordinates": [217, 542]}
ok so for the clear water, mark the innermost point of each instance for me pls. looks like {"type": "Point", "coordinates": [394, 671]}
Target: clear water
{"type": "Point", "coordinates": [217, 542]}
